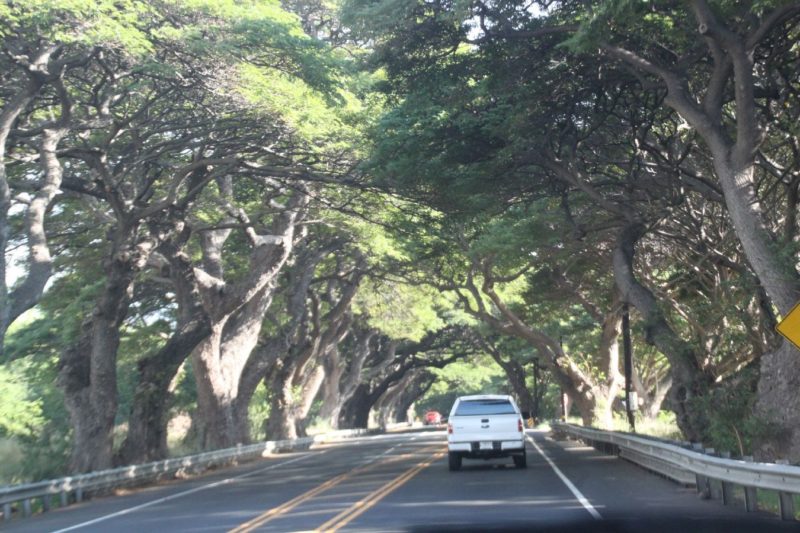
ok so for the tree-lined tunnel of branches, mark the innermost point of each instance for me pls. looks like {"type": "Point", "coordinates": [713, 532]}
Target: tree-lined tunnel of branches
{"type": "Point", "coordinates": [227, 221]}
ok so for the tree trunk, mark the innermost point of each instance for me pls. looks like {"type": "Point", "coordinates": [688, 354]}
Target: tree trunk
{"type": "Point", "coordinates": [288, 412]}
{"type": "Point", "coordinates": [221, 358]}
{"type": "Point", "coordinates": [389, 405]}
{"type": "Point", "coordinates": [88, 368]}
{"type": "Point", "coordinates": [147, 424]}
{"type": "Point", "coordinates": [405, 403]}
{"type": "Point", "coordinates": [654, 399]}
{"type": "Point", "coordinates": [566, 407]}
{"type": "Point", "coordinates": [778, 276]}
{"type": "Point", "coordinates": [237, 313]}
{"type": "Point", "coordinates": [778, 404]}
{"type": "Point", "coordinates": [334, 401]}
{"type": "Point", "coordinates": [331, 395]}
{"type": "Point", "coordinates": [301, 368]}
{"type": "Point", "coordinates": [538, 390]}
{"type": "Point", "coordinates": [355, 411]}
{"type": "Point", "coordinates": [280, 424]}
{"type": "Point", "coordinates": [12, 109]}
{"type": "Point", "coordinates": [309, 391]}
{"type": "Point", "coordinates": [515, 373]}
{"type": "Point", "coordinates": [40, 262]}
{"type": "Point", "coordinates": [218, 362]}
{"type": "Point", "coordinates": [778, 400]}
{"type": "Point", "coordinates": [279, 351]}
{"type": "Point", "coordinates": [516, 377]}
{"type": "Point", "coordinates": [609, 357]}
{"type": "Point", "coordinates": [147, 427]}
{"type": "Point", "coordinates": [689, 381]}
{"type": "Point", "coordinates": [258, 366]}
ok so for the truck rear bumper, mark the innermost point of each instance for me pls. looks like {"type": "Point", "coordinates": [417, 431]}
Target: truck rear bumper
{"type": "Point", "coordinates": [481, 449]}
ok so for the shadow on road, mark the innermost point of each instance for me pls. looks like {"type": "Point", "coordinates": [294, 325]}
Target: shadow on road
{"type": "Point", "coordinates": [648, 525]}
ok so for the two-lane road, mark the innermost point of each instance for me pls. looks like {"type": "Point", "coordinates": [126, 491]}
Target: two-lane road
{"type": "Point", "coordinates": [401, 483]}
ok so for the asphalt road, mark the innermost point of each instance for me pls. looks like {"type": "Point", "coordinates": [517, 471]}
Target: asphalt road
{"type": "Point", "coordinates": [401, 483]}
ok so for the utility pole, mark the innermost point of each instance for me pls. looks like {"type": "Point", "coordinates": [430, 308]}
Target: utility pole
{"type": "Point", "coordinates": [563, 403]}
{"type": "Point", "coordinates": [628, 353]}
{"type": "Point", "coordinates": [535, 413]}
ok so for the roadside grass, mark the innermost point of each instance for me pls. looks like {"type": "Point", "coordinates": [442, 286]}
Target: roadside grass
{"type": "Point", "coordinates": [663, 426]}
{"type": "Point", "coordinates": [180, 440]}
{"type": "Point", "coordinates": [768, 501]}
{"type": "Point", "coordinates": [318, 426]}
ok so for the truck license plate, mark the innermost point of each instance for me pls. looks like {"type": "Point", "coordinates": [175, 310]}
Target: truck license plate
{"type": "Point", "coordinates": [486, 445]}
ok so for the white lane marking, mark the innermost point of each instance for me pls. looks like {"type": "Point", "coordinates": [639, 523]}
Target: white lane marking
{"type": "Point", "coordinates": [387, 452]}
{"type": "Point", "coordinates": [578, 496]}
{"type": "Point", "coordinates": [184, 493]}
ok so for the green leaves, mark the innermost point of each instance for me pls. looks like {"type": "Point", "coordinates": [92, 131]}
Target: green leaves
{"type": "Point", "coordinates": [109, 23]}
{"type": "Point", "coordinates": [399, 310]}
{"type": "Point", "coordinates": [34, 433]}
{"type": "Point", "coordinates": [20, 414]}
{"type": "Point", "coordinates": [480, 375]}
{"type": "Point", "coordinates": [260, 33]}
{"type": "Point", "coordinates": [602, 18]}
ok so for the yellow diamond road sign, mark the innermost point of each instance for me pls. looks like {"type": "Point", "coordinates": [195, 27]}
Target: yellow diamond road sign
{"type": "Point", "coordinates": [789, 327]}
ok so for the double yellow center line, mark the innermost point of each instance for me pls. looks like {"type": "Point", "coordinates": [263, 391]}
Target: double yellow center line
{"type": "Point", "coordinates": [284, 508]}
{"type": "Point", "coordinates": [369, 501]}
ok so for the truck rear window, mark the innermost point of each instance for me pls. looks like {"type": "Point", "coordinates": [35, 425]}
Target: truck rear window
{"type": "Point", "coordinates": [485, 407]}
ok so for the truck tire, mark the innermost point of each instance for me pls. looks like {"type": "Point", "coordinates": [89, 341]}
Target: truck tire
{"type": "Point", "coordinates": [521, 461]}
{"type": "Point", "coordinates": [454, 461]}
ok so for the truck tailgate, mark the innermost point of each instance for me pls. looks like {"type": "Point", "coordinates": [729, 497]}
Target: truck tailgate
{"type": "Point", "coordinates": [476, 428]}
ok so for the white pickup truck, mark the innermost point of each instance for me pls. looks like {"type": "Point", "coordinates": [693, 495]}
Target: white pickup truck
{"type": "Point", "coordinates": [485, 427]}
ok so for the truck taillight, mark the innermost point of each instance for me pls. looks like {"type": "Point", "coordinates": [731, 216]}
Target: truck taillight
{"type": "Point", "coordinates": [450, 428]}
{"type": "Point", "coordinates": [519, 425]}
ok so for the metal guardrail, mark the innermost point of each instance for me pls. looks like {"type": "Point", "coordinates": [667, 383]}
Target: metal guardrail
{"type": "Point", "coordinates": [715, 477]}
{"type": "Point", "coordinates": [75, 488]}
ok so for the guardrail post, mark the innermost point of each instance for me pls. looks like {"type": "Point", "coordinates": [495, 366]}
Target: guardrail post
{"type": "Point", "coordinates": [45, 503]}
{"type": "Point", "coordinates": [701, 482]}
{"type": "Point", "coordinates": [6, 512]}
{"type": "Point", "coordinates": [727, 493]}
{"type": "Point", "coordinates": [750, 493]}
{"type": "Point", "coordinates": [26, 507]}
{"type": "Point", "coordinates": [63, 498]}
{"type": "Point", "coordinates": [703, 486]}
{"type": "Point", "coordinates": [714, 486]}
{"type": "Point", "coordinates": [79, 494]}
{"type": "Point", "coordinates": [727, 487]}
{"type": "Point", "coordinates": [786, 501]}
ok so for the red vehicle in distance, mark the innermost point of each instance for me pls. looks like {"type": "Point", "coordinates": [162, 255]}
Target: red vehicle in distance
{"type": "Point", "coordinates": [432, 418]}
